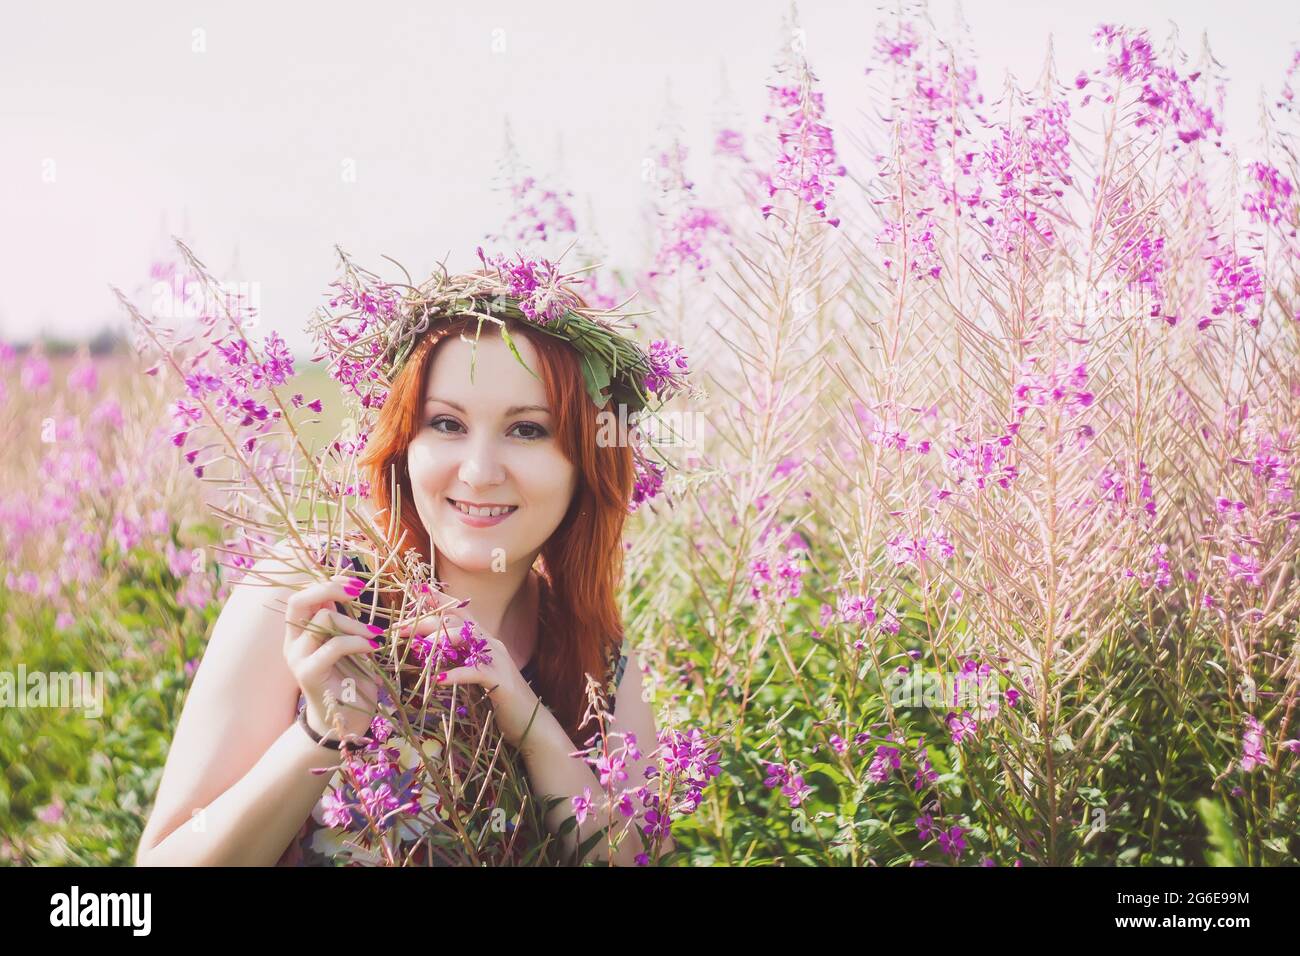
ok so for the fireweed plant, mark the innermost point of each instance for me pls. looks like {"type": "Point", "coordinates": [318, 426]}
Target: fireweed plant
{"type": "Point", "coordinates": [432, 782]}
{"type": "Point", "coordinates": [990, 556]}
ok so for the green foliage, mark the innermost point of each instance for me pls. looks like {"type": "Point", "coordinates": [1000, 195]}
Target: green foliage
{"type": "Point", "coordinates": [96, 777]}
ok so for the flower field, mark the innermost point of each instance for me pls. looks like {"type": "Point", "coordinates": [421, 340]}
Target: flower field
{"type": "Point", "coordinates": [976, 539]}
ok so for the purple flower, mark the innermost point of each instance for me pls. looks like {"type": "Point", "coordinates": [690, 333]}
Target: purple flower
{"type": "Point", "coordinates": [537, 213]}
{"type": "Point", "coordinates": [1252, 745]}
{"type": "Point", "coordinates": [1235, 284]}
{"type": "Point", "coordinates": [668, 366]}
{"type": "Point", "coordinates": [806, 160]}
{"type": "Point", "coordinates": [925, 826]}
{"type": "Point", "coordinates": [898, 49]}
{"type": "Point", "coordinates": [378, 801]}
{"type": "Point", "coordinates": [925, 773]}
{"type": "Point", "coordinates": [610, 768]}
{"type": "Point", "coordinates": [1245, 567]}
{"type": "Point", "coordinates": [789, 572]}
{"type": "Point", "coordinates": [657, 825]}
{"type": "Point", "coordinates": [582, 805]}
{"type": "Point", "coordinates": [797, 791]}
{"type": "Point", "coordinates": [1164, 97]}
{"type": "Point", "coordinates": [84, 376]}
{"type": "Point", "coordinates": [278, 367]}
{"type": "Point", "coordinates": [476, 650]}
{"type": "Point", "coordinates": [951, 841]}
{"type": "Point", "coordinates": [883, 764]}
{"type": "Point", "coordinates": [962, 727]}
{"type": "Point", "coordinates": [336, 812]}
{"type": "Point", "coordinates": [648, 482]}
{"type": "Point", "coordinates": [687, 755]}
{"type": "Point", "coordinates": [777, 775]}
{"type": "Point", "coordinates": [35, 373]}
{"type": "Point", "coordinates": [381, 729]}
{"type": "Point", "coordinates": [1271, 204]}
{"type": "Point", "coordinates": [683, 241]}
{"type": "Point", "coordinates": [535, 282]}
{"type": "Point", "coordinates": [917, 551]}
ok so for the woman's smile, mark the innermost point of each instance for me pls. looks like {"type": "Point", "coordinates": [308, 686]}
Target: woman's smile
{"type": "Point", "coordinates": [478, 515]}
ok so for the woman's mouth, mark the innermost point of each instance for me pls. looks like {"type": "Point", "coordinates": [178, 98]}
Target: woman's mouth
{"type": "Point", "coordinates": [478, 515]}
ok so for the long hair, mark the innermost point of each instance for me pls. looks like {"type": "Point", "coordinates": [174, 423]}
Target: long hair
{"type": "Point", "coordinates": [581, 562]}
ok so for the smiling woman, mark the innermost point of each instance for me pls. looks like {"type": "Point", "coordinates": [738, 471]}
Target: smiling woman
{"type": "Point", "coordinates": [517, 510]}
{"type": "Point", "coordinates": [466, 426]}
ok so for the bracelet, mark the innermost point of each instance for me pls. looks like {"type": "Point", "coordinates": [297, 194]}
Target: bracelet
{"type": "Point", "coordinates": [320, 740]}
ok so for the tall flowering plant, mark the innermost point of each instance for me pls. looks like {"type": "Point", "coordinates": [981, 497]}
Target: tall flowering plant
{"type": "Point", "coordinates": [1009, 576]}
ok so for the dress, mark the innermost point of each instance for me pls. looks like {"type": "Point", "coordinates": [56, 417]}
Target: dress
{"type": "Point", "coordinates": [316, 843]}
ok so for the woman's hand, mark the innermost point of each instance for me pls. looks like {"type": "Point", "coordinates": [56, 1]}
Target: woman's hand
{"type": "Point", "coordinates": [316, 641]}
{"type": "Point", "coordinates": [493, 669]}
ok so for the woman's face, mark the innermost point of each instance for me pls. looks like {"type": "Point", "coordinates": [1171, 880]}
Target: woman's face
{"type": "Point", "coordinates": [491, 443]}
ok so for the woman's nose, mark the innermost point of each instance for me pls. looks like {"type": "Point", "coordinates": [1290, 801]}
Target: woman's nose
{"type": "Point", "coordinates": [481, 466]}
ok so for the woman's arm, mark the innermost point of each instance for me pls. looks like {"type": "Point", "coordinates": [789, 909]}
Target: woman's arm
{"type": "Point", "coordinates": [553, 772]}
{"type": "Point", "coordinates": [237, 785]}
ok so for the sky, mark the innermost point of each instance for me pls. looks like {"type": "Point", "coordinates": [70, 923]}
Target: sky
{"type": "Point", "coordinates": [268, 133]}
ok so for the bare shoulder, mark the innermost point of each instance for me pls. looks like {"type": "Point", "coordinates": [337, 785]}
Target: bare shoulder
{"type": "Point", "coordinates": [246, 646]}
{"type": "Point", "coordinates": [283, 565]}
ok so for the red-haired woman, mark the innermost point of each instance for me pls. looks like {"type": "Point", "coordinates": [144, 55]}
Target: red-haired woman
{"type": "Point", "coordinates": [516, 507]}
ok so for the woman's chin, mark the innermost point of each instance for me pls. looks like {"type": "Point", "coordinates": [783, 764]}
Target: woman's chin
{"type": "Point", "coordinates": [476, 560]}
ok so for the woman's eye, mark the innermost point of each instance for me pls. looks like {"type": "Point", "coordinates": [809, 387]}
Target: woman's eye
{"type": "Point", "coordinates": [533, 431]}
{"type": "Point", "coordinates": [443, 419]}
{"type": "Point", "coordinates": [536, 432]}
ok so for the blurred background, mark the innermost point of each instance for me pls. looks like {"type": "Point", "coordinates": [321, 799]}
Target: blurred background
{"type": "Point", "coordinates": [268, 133]}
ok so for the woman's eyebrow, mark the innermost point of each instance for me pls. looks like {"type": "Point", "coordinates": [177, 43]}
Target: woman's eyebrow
{"type": "Point", "coordinates": [512, 410]}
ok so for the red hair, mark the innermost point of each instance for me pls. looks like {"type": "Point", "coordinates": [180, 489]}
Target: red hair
{"type": "Point", "coordinates": [582, 560]}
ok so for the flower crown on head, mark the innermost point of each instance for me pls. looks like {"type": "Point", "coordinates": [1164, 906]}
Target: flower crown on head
{"type": "Point", "coordinates": [375, 326]}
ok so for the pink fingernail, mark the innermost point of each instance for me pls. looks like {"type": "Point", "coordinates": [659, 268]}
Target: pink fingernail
{"type": "Point", "coordinates": [375, 629]}
{"type": "Point", "coordinates": [442, 677]}
{"type": "Point", "coordinates": [376, 643]}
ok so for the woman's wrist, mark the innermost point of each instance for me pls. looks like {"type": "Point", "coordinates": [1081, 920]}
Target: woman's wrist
{"type": "Point", "coordinates": [327, 739]}
{"type": "Point", "coordinates": [544, 735]}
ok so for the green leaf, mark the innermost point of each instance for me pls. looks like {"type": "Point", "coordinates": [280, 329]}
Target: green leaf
{"type": "Point", "coordinates": [831, 771]}
{"type": "Point", "coordinates": [596, 374]}
{"type": "Point", "coordinates": [586, 845]}
{"type": "Point", "coordinates": [1221, 835]}
{"type": "Point", "coordinates": [510, 344]}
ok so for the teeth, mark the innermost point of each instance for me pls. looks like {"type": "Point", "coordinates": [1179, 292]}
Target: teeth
{"type": "Point", "coordinates": [484, 512]}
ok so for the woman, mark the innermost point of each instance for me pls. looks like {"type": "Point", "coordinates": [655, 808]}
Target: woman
{"type": "Point", "coordinates": [519, 509]}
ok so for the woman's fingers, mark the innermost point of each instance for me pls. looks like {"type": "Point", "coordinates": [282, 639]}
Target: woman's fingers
{"type": "Point", "coordinates": [324, 628]}
{"type": "Point", "coordinates": [303, 604]}
{"type": "Point", "coordinates": [434, 624]}
{"type": "Point", "coordinates": [459, 675]}
{"type": "Point", "coordinates": [321, 661]}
